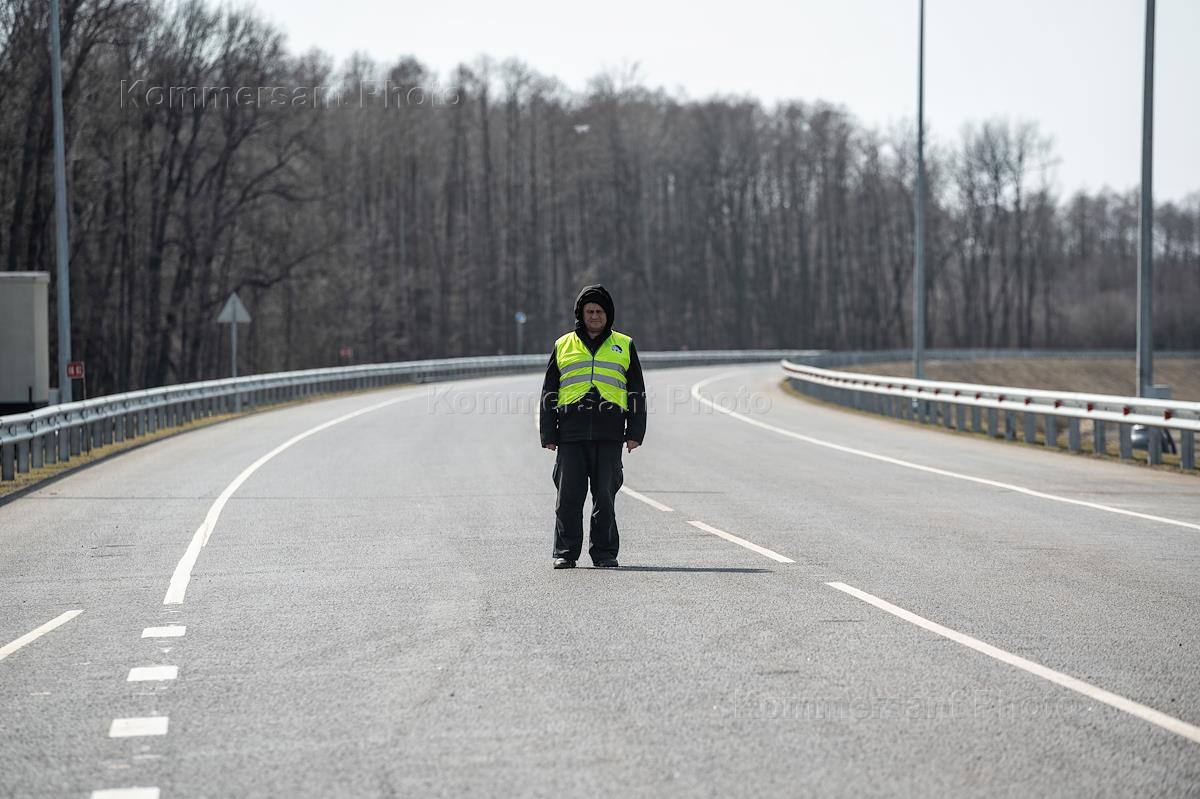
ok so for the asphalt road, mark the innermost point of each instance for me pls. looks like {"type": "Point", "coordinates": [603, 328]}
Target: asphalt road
{"type": "Point", "coordinates": [374, 612]}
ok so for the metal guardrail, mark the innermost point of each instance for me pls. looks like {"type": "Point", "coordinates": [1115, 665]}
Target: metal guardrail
{"type": "Point", "coordinates": [59, 432]}
{"type": "Point", "coordinates": [948, 404]}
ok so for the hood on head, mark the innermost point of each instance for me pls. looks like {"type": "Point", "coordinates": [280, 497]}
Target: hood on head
{"type": "Point", "coordinates": [598, 294]}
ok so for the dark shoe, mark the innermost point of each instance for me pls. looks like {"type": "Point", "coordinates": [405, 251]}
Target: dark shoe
{"type": "Point", "coordinates": [607, 563]}
{"type": "Point", "coordinates": [563, 563]}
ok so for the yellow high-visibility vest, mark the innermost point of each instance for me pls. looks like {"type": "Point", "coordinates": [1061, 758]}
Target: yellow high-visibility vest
{"type": "Point", "coordinates": [579, 370]}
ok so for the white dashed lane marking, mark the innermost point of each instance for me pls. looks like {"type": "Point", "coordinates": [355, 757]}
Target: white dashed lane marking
{"type": "Point", "coordinates": [708, 528]}
{"type": "Point", "coordinates": [152, 673]}
{"type": "Point", "coordinates": [169, 631]}
{"type": "Point", "coordinates": [126, 793]}
{"type": "Point", "coordinates": [136, 727]}
{"type": "Point", "coordinates": [654, 503]}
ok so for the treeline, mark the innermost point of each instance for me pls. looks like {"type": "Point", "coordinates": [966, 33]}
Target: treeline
{"type": "Point", "coordinates": [379, 209]}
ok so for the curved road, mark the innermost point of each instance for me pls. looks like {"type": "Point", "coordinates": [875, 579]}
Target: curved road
{"type": "Point", "coordinates": [811, 602]}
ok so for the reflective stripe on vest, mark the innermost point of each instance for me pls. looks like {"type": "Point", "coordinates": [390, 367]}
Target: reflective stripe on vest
{"type": "Point", "coordinates": [579, 370]}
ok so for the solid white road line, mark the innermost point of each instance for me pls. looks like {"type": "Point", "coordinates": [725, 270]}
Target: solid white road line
{"type": "Point", "coordinates": [930, 469]}
{"type": "Point", "coordinates": [152, 673]}
{"type": "Point", "coordinates": [183, 571]}
{"type": "Point", "coordinates": [169, 631]}
{"type": "Point", "coordinates": [1149, 714]}
{"type": "Point", "coordinates": [135, 727]}
{"type": "Point", "coordinates": [654, 503]}
{"type": "Point", "coordinates": [28, 637]}
{"type": "Point", "coordinates": [126, 793]}
{"type": "Point", "coordinates": [740, 542]}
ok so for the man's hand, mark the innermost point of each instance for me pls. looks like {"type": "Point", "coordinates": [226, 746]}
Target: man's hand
{"type": "Point", "coordinates": [550, 447]}
{"type": "Point", "coordinates": [631, 445]}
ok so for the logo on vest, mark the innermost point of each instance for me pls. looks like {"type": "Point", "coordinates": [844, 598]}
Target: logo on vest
{"type": "Point", "coordinates": [617, 348]}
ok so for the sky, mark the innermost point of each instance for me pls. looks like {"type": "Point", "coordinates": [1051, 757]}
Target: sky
{"type": "Point", "coordinates": [1072, 66]}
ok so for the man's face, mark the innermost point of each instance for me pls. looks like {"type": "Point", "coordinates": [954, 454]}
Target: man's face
{"type": "Point", "coordinates": [594, 317]}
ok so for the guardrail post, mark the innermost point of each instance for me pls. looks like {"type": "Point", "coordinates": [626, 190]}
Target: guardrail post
{"type": "Point", "coordinates": [38, 453]}
{"type": "Point", "coordinates": [1010, 427]}
{"type": "Point", "coordinates": [120, 427]}
{"type": "Point", "coordinates": [1126, 437]}
{"type": "Point", "coordinates": [1099, 440]}
{"type": "Point", "coordinates": [23, 456]}
{"type": "Point", "coordinates": [1030, 420]}
{"type": "Point", "coordinates": [975, 419]}
{"type": "Point", "coordinates": [960, 418]}
{"type": "Point", "coordinates": [1051, 431]}
{"type": "Point", "coordinates": [76, 439]}
{"type": "Point", "coordinates": [1154, 445]}
{"type": "Point", "coordinates": [52, 447]}
{"type": "Point", "coordinates": [993, 425]}
{"type": "Point", "coordinates": [106, 431]}
{"type": "Point", "coordinates": [1187, 449]}
{"type": "Point", "coordinates": [1073, 435]}
{"type": "Point", "coordinates": [8, 462]}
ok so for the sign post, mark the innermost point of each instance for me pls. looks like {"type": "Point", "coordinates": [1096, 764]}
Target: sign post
{"type": "Point", "coordinates": [520, 318]}
{"type": "Point", "coordinates": [233, 314]}
{"type": "Point", "coordinates": [75, 372]}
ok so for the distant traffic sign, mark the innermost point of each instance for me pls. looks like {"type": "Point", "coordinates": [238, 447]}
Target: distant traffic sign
{"type": "Point", "coordinates": [234, 311]}
{"type": "Point", "coordinates": [75, 370]}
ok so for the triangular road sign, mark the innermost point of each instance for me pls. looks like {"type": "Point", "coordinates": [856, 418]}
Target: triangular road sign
{"type": "Point", "coordinates": [233, 311]}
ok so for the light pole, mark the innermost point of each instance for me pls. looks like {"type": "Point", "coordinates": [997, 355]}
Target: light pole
{"type": "Point", "coordinates": [1145, 326]}
{"type": "Point", "coordinates": [60, 210]}
{"type": "Point", "coordinates": [919, 243]}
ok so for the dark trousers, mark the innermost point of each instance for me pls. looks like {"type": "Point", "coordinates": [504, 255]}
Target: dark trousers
{"type": "Point", "coordinates": [578, 465]}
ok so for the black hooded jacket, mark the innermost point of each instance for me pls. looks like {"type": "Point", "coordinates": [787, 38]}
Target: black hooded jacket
{"type": "Point", "coordinates": [594, 418]}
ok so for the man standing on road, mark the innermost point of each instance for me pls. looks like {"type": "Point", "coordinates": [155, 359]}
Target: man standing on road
{"type": "Point", "coordinates": [593, 399]}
